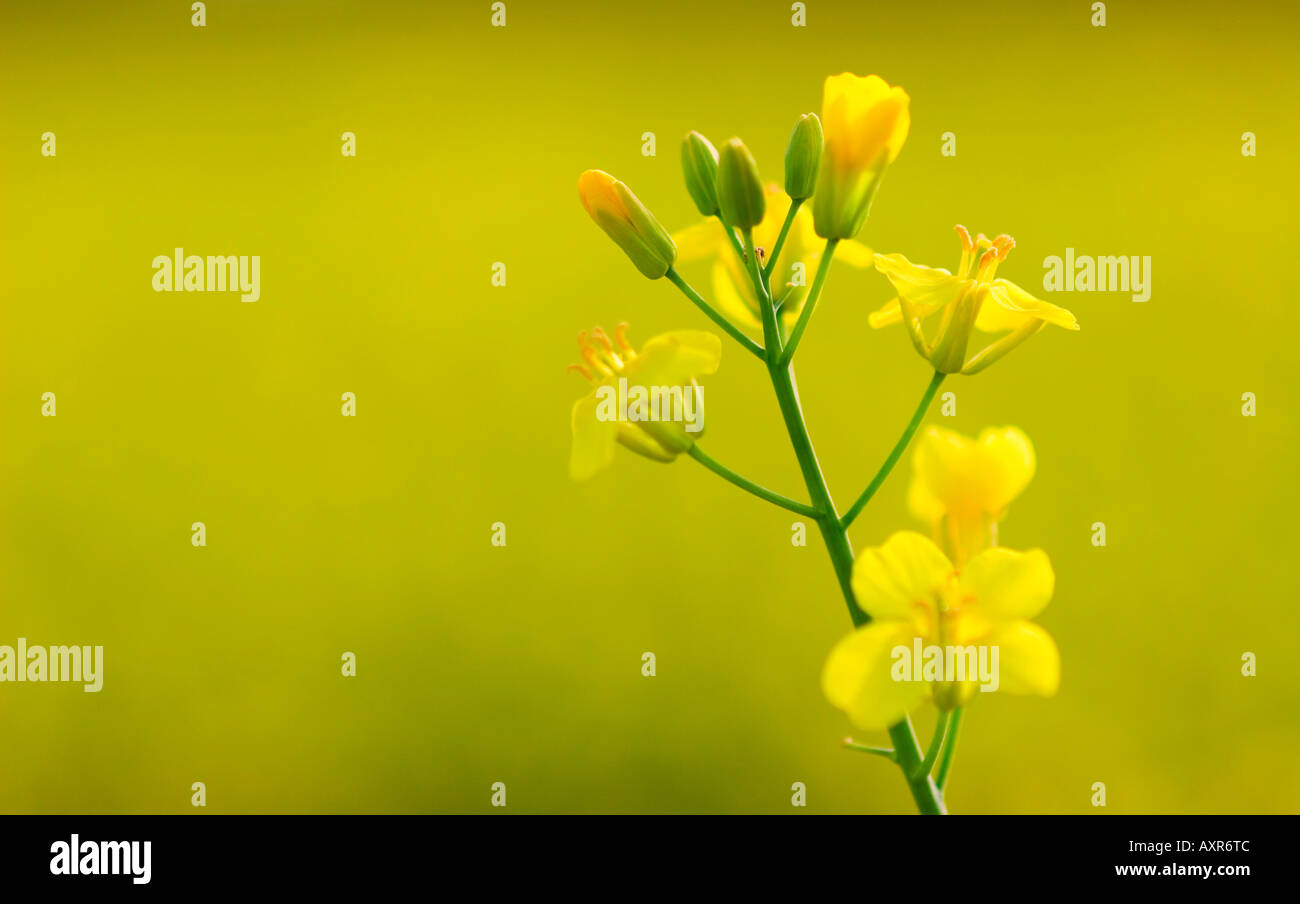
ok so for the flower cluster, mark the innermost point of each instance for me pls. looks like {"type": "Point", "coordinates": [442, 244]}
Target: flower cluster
{"type": "Point", "coordinates": [770, 246]}
{"type": "Point", "coordinates": [970, 592]}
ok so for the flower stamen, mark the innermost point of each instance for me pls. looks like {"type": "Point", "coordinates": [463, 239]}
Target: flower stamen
{"type": "Point", "coordinates": [610, 357]}
{"type": "Point", "coordinates": [578, 368]}
{"type": "Point", "coordinates": [988, 265]}
{"type": "Point", "coordinates": [620, 336]}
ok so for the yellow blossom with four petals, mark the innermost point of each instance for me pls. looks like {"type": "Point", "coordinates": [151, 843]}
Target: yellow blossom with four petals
{"type": "Point", "coordinates": [964, 300]}
{"type": "Point", "coordinates": [914, 593]}
{"type": "Point", "coordinates": [675, 359]}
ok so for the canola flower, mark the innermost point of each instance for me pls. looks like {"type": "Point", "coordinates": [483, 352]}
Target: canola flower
{"type": "Point", "coordinates": [965, 301]}
{"type": "Point", "coordinates": [676, 359]}
{"type": "Point", "coordinates": [865, 122]}
{"type": "Point", "coordinates": [914, 593]}
{"type": "Point", "coordinates": [960, 589]}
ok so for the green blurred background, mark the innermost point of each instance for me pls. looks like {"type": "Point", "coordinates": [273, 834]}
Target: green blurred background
{"type": "Point", "coordinates": [521, 664]}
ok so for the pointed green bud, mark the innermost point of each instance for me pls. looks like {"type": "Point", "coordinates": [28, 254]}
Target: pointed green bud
{"type": "Point", "coordinates": [625, 220]}
{"type": "Point", "coordinates": [740, 190]}
{"type": "Point", "coordinates": [700, 167]}
{"type": "Point", "coordinates": [803, 157]}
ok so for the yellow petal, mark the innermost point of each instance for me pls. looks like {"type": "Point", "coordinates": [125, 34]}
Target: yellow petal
{"type": "Point", "coordinates": [921, 501]}
{"type": "Point", "coordinates": [593, 439]}
{"type": "Point", "coordinates": [902, 124]}
{"type": "Point", "coordinates": [888, 580]}
{"type": "Point", "coordinates": [727, 297]}
{"type": "Point", "coordinates": [674, 359]}
{"type": "Point", "coordinates": [1028, 661]}
{"type": "Point", "coordinates": [849, 96]}
{"type": "Point", "coordinates": [854, 253]}
{"type": "Point", "coordinates": [1009, 585]}
{"type": "Point", "coordinates": [890, 314]}
{"type": "Point", "coordinates": [701, 241]}
{"type": "Point", "coordinates": [969, 478]}
{"type": "Point", "coordinates": [1013, 304]}
{"type": "Point", "coordinates": [857, 676]}
{"type": "Point", "coordinates": [861, 116]}
{"type": "Point", "coordinates": [928, 288]}
{"type": "Point", "coordinates": [1008, 464]}
{"type": "Point", "coordinates": [776, 206]}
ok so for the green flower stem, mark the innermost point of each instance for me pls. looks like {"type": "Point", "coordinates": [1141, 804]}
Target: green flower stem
{"type": "Point", "coordinates": [886, 752]}
{"type": "Point", "coordinates": [834, 535]}
{"type": "Point", "coordinates": [907, 750]}
{"type": "Point", "coordinates": [823, 267]}
{"type": "Point", "coordinates": [735, 243]}
{"type": "Point", "coordinates": [897, 451]}
{"type": "Point", "coordinates": [780, 240]}
{"type": "Point", "coordinates": [749, 486]}
{"type": "Point", "coordinates": [928, 797]}
{"type": "Point", "coordinates": [949, 745]}
{"type": "Point", "coordinates": [936, 742]}
{"type": "Point", "coordinates": [728, 327]}
{"type": "Point", "coordinates": [771, 335]}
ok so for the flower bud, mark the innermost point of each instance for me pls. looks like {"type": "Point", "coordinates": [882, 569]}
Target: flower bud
{"type": "Point", "coordinates": [625, 220]}
{"type": "Point", "coordinates": [865, 122]}
{"type": "Point", "coordinates": [740, 190]}
{"type": "Point", "coordinates": [700, 167]}
{"type": "Point", "coordinates": [803, 156]}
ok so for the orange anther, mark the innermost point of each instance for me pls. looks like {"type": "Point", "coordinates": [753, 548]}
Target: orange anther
{"type": "Point", "coordinates": [620, 336]}
{"type": "Point", "coordinates": [589, 355]}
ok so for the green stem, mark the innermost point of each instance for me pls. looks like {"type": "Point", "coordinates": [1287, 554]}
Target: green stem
{"type": "Point", "coordinates": [780, 240]}
{"type": "Point", "coordinates": [771, 334]}
{"type": "Point", "coordinates": [731, 237]}
{"type": "Point", "coordinates": [748, 485]}
{"type": "Point", "coordinates": [928, 797]}
{"type": "Point", "coordinates": [907, 750]}
{"type": "Point", "coordinates": [936, 742]}
{"type": "Point", "coordinates": [949, 746]}
{"type": "Point", "coordinates": [728, 327]}
{"type": "Point", "coordinates": [886, 752]}
{"type": "Point", "coordinates": [835, 535]}
{"type": "Point", "coordinates": [897, 451]}
{"type": "Point", "coordinates": [823, 267]}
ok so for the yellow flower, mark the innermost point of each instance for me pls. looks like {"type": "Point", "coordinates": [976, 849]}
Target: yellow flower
{"type": "Point", "coordinates": [865, 122]}
{"type": "Point", "coordinates": [965, 301]}
{"type": "Point", "coordinates": [961, 487]}
{"type": "Point", "coordinates": [648, 401]}
{"type": "Point", "coordinates": [733, 291]}
{"type": "Point", "coordinates": [918, 601]}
